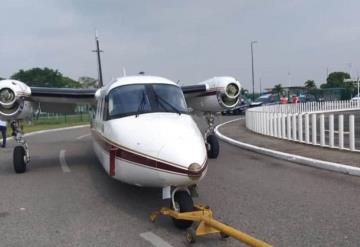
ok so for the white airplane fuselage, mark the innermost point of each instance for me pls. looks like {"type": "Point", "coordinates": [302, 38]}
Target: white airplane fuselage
{"type": "Point", "coordinates": [153, 149]}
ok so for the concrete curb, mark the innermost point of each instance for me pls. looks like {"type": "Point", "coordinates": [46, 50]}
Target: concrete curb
{"type": "Point", "coordinates": [326, 165]}
{"type": "Point", "coordinates": [50, 130]}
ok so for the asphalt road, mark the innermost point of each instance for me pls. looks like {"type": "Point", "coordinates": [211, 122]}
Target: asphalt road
{"type": "Point", "coordinates": [74, 203]}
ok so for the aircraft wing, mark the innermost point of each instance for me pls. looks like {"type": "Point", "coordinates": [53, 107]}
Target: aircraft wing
{"type": "Point", "coordinates": [62, 95]}
{"type": "Point", "coordinates": [213, 95]}
{"type": "Point", "coordinates": [18, 101]}
{"type": "Point", "coordinates": [61, 100]}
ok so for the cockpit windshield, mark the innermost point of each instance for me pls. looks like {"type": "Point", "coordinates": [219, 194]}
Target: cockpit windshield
{"type": "Point", "coordinates": [137, 99]}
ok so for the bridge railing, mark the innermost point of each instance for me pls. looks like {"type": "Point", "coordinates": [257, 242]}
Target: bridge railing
{"type": "Point", "coordinates": [311, 123]}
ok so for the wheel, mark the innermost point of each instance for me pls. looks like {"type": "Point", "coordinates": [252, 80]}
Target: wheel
{"type": "Point", "coordinates": [190, 236]}
{"type": "Point", "coordinates": [185, 203]}
{"type": "Point", "coordinates": [19, 159]}
{"type": "Point", "coordinates": [213, 150]}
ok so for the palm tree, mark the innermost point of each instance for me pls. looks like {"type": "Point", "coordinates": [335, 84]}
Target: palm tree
{"type": "Point", "coordinates": [278, 89]}
{"type": "Point", "coordinates": [310, 84]}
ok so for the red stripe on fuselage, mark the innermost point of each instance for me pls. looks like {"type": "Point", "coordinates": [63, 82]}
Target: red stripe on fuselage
{"type": "Point", "coordinates": [112, 156]}
{"type": "Point", "coordinates": [133, 157]}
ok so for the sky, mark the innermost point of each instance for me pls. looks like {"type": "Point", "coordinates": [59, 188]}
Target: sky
{"type": "Point", "coordinates": [188, 40]}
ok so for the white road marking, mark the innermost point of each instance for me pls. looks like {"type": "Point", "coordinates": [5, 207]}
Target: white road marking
{"type": "Point", "coordinates": [154, 239]}
{"type": "Point", "coordinates": [82, 137]}
{"type": "Point", "coordinates": [63, 163]}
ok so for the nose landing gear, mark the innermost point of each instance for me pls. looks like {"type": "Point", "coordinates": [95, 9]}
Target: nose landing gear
{"type": "Point", "coordinates": [182, 203]}
{"type": "Point", "coordinates": [21, 154]}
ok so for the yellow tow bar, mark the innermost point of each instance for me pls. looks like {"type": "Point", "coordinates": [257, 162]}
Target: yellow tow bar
{"type": "Point", "coordinates": [207, 225]}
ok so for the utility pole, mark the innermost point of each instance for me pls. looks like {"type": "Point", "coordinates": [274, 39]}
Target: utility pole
{"type": "Point", "coordinates": [252, 68]}
{"type": "Point", "coordinates": [260, 85]}
{"type": "Point", "coordinates": [358, 94]}
{"type": "Point", "coordinates": [101, 83]}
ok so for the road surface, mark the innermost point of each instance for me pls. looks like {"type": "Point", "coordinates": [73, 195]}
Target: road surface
{"type": "Point", "coordinates": [66, 199]}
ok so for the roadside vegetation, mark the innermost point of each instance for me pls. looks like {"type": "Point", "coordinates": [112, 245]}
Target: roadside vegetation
{"type": "Point", "coordinates": [53, 122]}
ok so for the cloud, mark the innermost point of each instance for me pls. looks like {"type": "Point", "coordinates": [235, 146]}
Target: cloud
{"type": "Point", "coordinates": [186, 40]}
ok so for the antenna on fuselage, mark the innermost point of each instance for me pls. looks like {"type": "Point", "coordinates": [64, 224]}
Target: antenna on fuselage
{"type": "Point", "coordinates": [124, 71]}
{"type": "Point", "coordinates": [98, 59]}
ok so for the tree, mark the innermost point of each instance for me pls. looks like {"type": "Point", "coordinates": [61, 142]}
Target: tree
{"type": "Point", "coordinates": [336, 80]}
{"type": "Point", "coordinates": [88, 82]}
{"type": "Point", "coordinates": [278, 89]}
{"type": "Point", "coordinates": [45, 77]}
{"type": "Point", "coordinates": [310, 85]}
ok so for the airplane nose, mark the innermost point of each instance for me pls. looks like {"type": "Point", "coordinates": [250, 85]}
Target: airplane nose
{"type": "Point", "coordinates": [173, 141]}
{"type": "Point", "coordinates": [187, 152]}
{"type": "Point", "coordinates": [186, 156]}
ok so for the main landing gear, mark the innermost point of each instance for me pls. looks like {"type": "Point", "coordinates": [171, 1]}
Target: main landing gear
{"type": "Point", "coordinates": [21, 154]}
{"type": "Point", "coordinates": [211, 141]}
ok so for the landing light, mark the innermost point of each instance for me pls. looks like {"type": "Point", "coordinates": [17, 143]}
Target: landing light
{"type": "Point", "coordinates": [194, 167]}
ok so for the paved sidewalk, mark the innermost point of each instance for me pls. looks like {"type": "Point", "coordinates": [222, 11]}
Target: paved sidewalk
{"type": "Point", "coordinates": [237, 130]}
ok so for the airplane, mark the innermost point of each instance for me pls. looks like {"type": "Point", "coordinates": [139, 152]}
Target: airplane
{"type": "Point", "coordinates": [142, 129]}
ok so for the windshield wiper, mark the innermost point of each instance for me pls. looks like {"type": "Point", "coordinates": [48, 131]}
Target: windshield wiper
{"type": "Point", "coordinates": [141, 106]}
{"type": "Point", "coordinates": [166, 102]}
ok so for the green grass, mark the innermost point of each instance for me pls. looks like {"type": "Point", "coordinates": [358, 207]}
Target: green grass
{"type": "Point", "coordinates": [53, 122]}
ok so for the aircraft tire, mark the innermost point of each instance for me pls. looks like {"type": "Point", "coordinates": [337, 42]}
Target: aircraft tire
{"type": "Point", "coordinates": [186, 204]}
{"type": "Point", "coordinates": [19, 159]}
{"type": "Point", "coordinates": [213, 152]}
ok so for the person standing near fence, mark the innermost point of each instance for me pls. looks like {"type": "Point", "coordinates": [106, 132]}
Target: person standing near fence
{"type": "Point", "coordinates": [3, 132]}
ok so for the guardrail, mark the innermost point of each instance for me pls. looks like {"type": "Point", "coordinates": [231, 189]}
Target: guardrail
{"type": "Point", "coordinates": [309, 123]}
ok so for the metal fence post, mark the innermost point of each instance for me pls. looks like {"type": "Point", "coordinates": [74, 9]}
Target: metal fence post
{"type": "Point", "coordinates": [279, 117]}
{"type": "Point", "coordinates": [283, 125]}
{"type": "Point", "coordinates": [341, 131]}
{"type": "Point", "coordinates": [352, 132]}
{"type": "Point", "coordinates": [322, 130]}
{"type": "Point", "coordinates": [300, 123]}
{"type": "Point", "coordinates": [294, 131]}
{"type": "Point", "coordinates": [313, 128]}
{"type": "Point", "coordinates": [307, 129]}
{"type": "Point", "coordinates": [331, 130]}
{"type": "Point", "coordinates": [289, 126]}
{"type": "Point", "coordinates": [271, 125]}
{"type": "Point", "coordinates": [275, 125]}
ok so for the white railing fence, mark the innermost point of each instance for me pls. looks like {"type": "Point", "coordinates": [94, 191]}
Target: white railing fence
{"type": "Point", "coordinates": [311, 123]}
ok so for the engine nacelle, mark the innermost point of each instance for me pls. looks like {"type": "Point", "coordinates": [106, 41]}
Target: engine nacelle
{"type": "Point", "coordinates": [222, 93]}
{"type": "Point", "coordinates": [12, 100]}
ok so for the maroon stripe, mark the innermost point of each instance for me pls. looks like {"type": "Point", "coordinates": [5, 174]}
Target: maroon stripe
{"type": "Point", "coordinates": [112, 161]}
{"type": "Point", "coordinates": [140, 159]}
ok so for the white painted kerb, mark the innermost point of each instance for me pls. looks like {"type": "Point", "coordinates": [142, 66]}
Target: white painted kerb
{"type": "Point", "coordinates": [337, 167]}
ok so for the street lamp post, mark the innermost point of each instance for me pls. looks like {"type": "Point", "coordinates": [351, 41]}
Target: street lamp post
{"type": "Point", "coordinates": [252, 68]}
{"type": "Point", "coordinates": [358, 94]}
